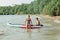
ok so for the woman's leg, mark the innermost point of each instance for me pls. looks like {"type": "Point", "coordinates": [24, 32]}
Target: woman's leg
{"type": "Point", "coordinates": [28, 27]}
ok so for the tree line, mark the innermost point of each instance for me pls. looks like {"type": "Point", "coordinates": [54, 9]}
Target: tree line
{"type": "Point", "coordinates": [48, 7]}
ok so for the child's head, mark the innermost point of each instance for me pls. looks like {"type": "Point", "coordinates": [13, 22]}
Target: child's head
{"type": "Point", "coordinates": [37, 18]}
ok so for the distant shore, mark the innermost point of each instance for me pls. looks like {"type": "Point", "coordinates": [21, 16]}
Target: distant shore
{"type": "Point", "coordinates": [55, 18]}
{"type": "Point", "coordinates": [45, 16]}
{"type": "Point", "coordinates": [52, 17]}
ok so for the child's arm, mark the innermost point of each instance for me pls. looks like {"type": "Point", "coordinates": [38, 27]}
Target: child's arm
{"type": "Point", "coordinates": [36, 22]}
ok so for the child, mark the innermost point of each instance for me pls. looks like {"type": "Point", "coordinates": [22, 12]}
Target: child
{"type": "Point", "coordinates": [37, 22]}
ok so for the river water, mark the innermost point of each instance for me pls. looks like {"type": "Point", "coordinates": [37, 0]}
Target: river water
{"type": "Point", "coordinates": [50, 30]}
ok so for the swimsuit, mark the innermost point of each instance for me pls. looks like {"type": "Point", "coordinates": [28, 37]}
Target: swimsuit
{"type": "Point", "coordinates": [28, 22]}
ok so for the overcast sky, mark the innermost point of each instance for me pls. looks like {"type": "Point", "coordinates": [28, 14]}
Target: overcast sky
{"type": "Point", "coordinates": [12, 2]}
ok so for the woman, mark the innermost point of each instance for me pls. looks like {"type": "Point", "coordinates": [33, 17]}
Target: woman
{"type": "Point", "coordinates": [28, 22]}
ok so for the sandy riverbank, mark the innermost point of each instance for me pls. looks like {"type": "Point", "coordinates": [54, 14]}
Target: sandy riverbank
{"type": "Point", "coordinates": [52, 17]}
{"type": "Point", "coordinates": [55, 18]}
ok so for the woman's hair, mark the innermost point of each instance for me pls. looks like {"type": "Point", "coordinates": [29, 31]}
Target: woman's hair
{"type": "Point", "coordinates": [28, 15]}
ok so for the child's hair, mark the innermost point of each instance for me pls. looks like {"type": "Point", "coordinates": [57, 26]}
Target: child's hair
{"type": "Point", "coordinates": [37, 18]}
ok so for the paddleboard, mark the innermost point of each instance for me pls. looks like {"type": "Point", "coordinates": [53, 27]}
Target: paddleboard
{"type": "Point", "coordinates": [23, 26]}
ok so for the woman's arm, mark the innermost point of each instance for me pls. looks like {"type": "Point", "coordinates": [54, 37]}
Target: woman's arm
{"type": "Point", "coordinates": [31, 21]}
{"type": "Point", "coordinates": [25, 21]}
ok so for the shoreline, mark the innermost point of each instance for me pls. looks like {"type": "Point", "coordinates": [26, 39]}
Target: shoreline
{"type": "Point", "coordinates": [45, 16]}
{"type": "Point", "coordinates": [55, 18]}
{"type": "Point", "coordinates": [52, 17]}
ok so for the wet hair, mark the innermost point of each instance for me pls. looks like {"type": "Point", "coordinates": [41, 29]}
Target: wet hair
{"type": "Point", "coordinates": [28, 15]}
{"type": "Point", "coordinates": [37, 18]}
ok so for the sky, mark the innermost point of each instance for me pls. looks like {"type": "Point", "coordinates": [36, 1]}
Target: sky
{"type": "Point", "coordinates": [13, 2]}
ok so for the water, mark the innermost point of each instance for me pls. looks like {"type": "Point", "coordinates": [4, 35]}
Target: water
{"type": "Point", "coordinates": [50, 31]}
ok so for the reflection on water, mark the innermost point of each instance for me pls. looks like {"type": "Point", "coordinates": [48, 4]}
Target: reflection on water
{"type": "Point", "coordinates": [50, 30]}
{"type": "Point", "coordinates": [29, 35]}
